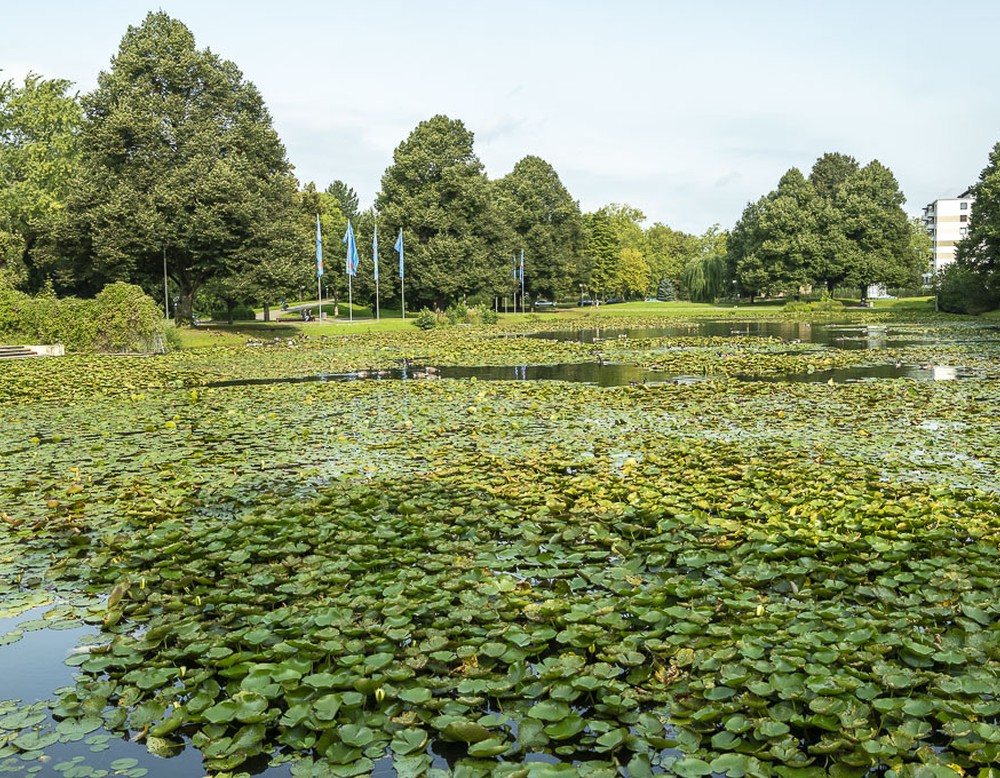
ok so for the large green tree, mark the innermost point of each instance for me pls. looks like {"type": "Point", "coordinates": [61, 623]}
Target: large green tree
{"type": "Point", "coordinates": [39, 146]}
{"type": "Point", "coordinates": [830, 171]}
{"type": "Point", "coordinates": [828, 175]}
{"type": "Point", "coordinates": [777, 243]}
{"type": "Point", "coordinates": [436, 191]}
{"type": "Point", "coordinates": [876, 230]}
{"type": "Point", "coordinates": [617, 246]}
{"type": "Point", "coordinates": [667, 252]}
{"type": "Point", "coordinates": [980, 250]}
{"type": "Point", "coordinates": [179, 157]}
{"type": "Point", "coordinates": [547, 224]}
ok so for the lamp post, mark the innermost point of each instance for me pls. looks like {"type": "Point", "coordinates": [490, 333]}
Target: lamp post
{"type": "Point", "coordinates": [581, 294]}
{"type": "Point", "coordinates": [166, 294]}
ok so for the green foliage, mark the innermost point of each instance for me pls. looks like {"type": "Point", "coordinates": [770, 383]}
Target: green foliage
{"type": "Point", "coordinates": [428, 319]}
{"type": "Point", "coordinates": [126, 320]}
{"type": "Point", "coordinates": [547, 223]}
{"type": "Point", "coordinates": [980, 250]}
{"type": "Point", "coordinates": [776, 245]}
{"type": "Point", "coordinates": [239, 312]}
{"type": "Point", "coordinates": [346, 197]}
{"type": "Point", "coordinates": [39, 129]}
{"type": "Point", "coordinates": [961, 289]}
{"type": "Point", "coordinates": [617, 247]}
{"type": "Point", "coordinates": [177, 150]}
{"type": "Point", "coordinates": [826, 304]}
{"type": "Point", "coordinates": [667, 252]}
{"type": "Point", "coordinates": [122, 318]}
{"type": "Point", "coordinates": [457, 244]}
{"type": "Point", "coordinates": [456, 313]}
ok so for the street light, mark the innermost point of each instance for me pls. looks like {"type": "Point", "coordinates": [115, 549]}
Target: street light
{"type": "Point", "coordinates": [581, 294]}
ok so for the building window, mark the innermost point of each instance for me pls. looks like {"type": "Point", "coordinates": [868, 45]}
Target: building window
{"type": "Point", "coordinates": [963, 231]}
{"type": "Point", "coordinates": [963, 206]}
{"type": "Point", "coordinates": [963, 218]}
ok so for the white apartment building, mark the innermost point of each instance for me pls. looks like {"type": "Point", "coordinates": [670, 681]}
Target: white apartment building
{"type": "Point", "coordinates": [947, 222]}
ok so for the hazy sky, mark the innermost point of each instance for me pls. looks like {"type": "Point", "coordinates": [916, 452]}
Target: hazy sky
{"type": "Point", "coordinates": [686, 110]}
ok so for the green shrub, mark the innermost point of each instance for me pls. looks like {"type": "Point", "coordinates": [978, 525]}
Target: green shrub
{"type": "Point", "coordinates": [121, 318]}
{"type": "Point", "coordinates": [241, 312]}
{"type": "Point", "coordinates": [426, 319]}
{"type": "Point", "coordinates": [457, 313]}
{"type": "Point", "coordinates": [487, 315]}
{"type": "Point", "coordinates": [822, 304]}
{"type": "Point", "coordinates": [961, 290]}
{"type": "Point", "coordinates": [127, 319]}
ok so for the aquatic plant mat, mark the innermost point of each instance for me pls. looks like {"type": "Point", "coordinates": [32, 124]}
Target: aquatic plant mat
{"type": "Point", "coordinates": [470, 578]}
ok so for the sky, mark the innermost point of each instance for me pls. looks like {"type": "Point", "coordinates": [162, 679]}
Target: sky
{"type": "Point", "coordinates": [686, 110]}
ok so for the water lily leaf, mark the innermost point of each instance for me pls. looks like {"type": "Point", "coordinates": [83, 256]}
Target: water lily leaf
{"type": "Point", "coordinates": [407, 741]}
{"type": "Point", "coordinates": [221, 713]}
{"type": "Point", "coordinates": [356, 735]}
{"type": "Point", "coordinates": [465, 732]}
{"type": "Point", "coordinates": [35, 740]}
{"type": "Point", "coordinates": [550, 710]}
{"type": "Point", "coordinates": [690, 767]}
{"type": "Point", "coordinates": [570, 726]}
{"type": "Point", "coordinates": [489, 747]}
{"type": "Point", "coordinates": [416, 695]}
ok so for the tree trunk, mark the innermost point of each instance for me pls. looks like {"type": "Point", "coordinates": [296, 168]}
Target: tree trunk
{"type": "Point", "coordinates": [267, 312]}
{"type": "Point", "coordinates": [183, 312]}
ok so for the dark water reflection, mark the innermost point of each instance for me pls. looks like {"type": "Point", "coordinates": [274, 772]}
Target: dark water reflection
{"type": "Point", "coordinates": [614, 374]}
{"type": "Point", "coordinates": [840, 336]}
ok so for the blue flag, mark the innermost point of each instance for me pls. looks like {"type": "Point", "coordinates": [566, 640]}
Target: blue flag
{"type": "Point", "coordinates": [399, 248]}
{"type": "Point", "coordinates": [522, 266]}
{"type": "Point", "coordinates": [352, 250]}
{"type": "Point", "coordinates": [319, 249]}
{"type": "Point", "coordinates": [375, 250]}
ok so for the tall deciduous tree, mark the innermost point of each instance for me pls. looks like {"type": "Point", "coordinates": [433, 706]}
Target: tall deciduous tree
{"type": "Point", "coordinates": [828, 175]}
{"type": "Point", "coordinates": [876, 229]}
{"type": "Point", "coordinates": [980, 250]}
{"type": "Point", "coordinates": [178, 154]}
{"type": "Point", "coordinates": [39, 131]}
{"type": "Point", "coordinates": [436, 190]}
{"type": "Point", "coordinates": [830, 171]}
{"type": "Point", "coordinates": [547, 223]}
{"type": "Point", "coordinates": [614, 229]}
{"type": "Point", "coordinates": [667, 251]}
{"type": "Point", "coordinates": [777, 242]}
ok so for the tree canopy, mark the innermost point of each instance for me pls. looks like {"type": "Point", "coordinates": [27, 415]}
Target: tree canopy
{"type": "Point", "coordinates": [178, 155]}
{"type": "Point", "coordinates": [546, 223]}
{"type": "Point", "coordinates": [436, 190]}
{"type": "Point", "coordinates": [842, 225]}
{"type": "Point", "coordinates": [39, 149]}
{"type": "Point", "coordinates": [980, 251]}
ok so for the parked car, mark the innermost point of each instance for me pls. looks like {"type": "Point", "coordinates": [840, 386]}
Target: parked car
{"type": "Point", "coordinates": [543, 304]}
{"type": "Point", "coordinates": [613, 300]}
{"type": "Point", "coordinates": [586, 301]}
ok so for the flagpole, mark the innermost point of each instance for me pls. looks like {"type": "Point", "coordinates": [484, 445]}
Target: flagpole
{"type": "Point", "coordinates": [378, 316]}
{"type": "Point", "coordinates": [350, 297]}
{"type": "Point", "coordinates": [522, 280]}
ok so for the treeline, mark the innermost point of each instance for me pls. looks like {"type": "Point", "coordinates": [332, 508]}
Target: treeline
{"type": "Point", "coordinates": [171, 166]}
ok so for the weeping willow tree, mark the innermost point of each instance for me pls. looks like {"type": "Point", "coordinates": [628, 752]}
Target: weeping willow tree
{"type": "Point", "coordinates": [705, 278]}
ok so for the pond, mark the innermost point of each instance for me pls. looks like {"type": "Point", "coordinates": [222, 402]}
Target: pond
{"type": "Point", "coordinates": [586, 567]}
{"type": "Point", "coordinates": [611, 374]}
{"type": "Point", "coordinates": [840, 336]}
